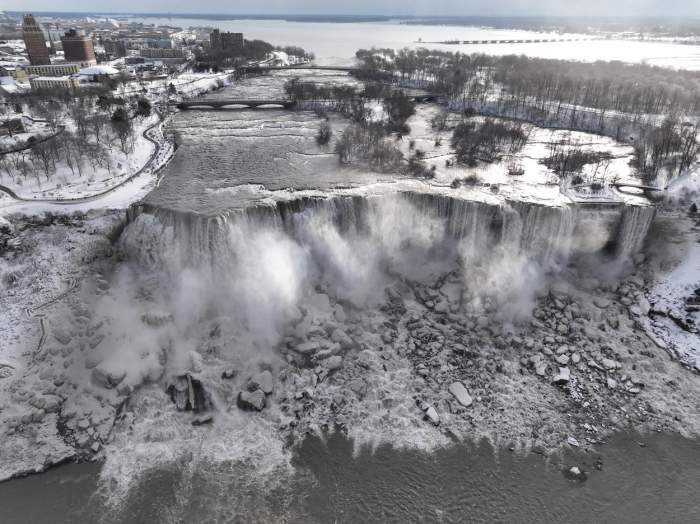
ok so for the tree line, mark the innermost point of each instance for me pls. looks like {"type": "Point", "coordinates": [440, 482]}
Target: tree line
{"type": "Point", "coordinates": [646, 105]}
{"type": "Point", "coordinates": [94, 125]}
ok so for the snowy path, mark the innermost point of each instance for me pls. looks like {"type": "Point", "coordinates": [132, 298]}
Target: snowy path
{"type": "Point", "coordinates": [118, 196]}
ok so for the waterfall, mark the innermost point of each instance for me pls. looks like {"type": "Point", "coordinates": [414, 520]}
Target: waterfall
{"type": "Point", "coordinates": [546, 234]}
{"type": "Point", "coordinates": [633, 229]}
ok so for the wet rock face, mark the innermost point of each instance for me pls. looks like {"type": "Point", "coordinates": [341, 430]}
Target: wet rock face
{"type": "Point", "coordinates": [188, 394]}
{"type": "Point", "coordinates": [261, 381]}
{"type": "Point", "coordinates": [251, 400]}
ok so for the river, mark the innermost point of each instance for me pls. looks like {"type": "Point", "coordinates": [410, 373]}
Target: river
{"type": "Point", "coordinates": [333, 482]}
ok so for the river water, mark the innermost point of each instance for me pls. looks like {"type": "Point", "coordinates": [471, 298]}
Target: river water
{"type": "Point", "coordinates": [333, 482]}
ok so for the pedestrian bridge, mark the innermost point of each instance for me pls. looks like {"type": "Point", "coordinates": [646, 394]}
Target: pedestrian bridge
{"type": "Point", "coordinates": [623, 185]}
{"type": "Point", "coordinates": [231, 103]}
{"type": "Point", "coordinates": [263, 67]}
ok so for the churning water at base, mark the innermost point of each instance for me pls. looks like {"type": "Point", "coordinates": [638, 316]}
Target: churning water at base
{"type": "Point", "coordinates": [332, 482]}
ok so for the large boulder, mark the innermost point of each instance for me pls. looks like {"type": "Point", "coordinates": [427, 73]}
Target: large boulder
{"type": "Point", "coordinates": [461, 394]}
{"type": "Point", "coordinates": [188, 393]}
{"type": "Point", "coordinates": [334, 363]}
{"type": "Point", "coordinates": [261, 381]}
{"type": "Point", "coordinates": [106, 377]}
{"type": "Point", "coordinates": [562, 377]}
{"type": "Point", "coordinates": [251, 400]}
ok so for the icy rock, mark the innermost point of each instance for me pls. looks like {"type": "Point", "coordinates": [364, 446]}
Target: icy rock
{"type": "Point", "coordinates": [333, 363]}
{"type": "Point", "coordinates": [340, 315]}
{"type": "Point", "coordinates": [200, 421]}
{"type": "Point", "coordinates": [53, 403]}
{"type": "Point", "coordinates": [319, 302]}
{"type": "Point", "coordinates": [562, 377]}
{"type": "Point", "coordinates": [188, 393]}
{"type": "Point", "coordinates": [95, 447]}
{"type": "Point", "coordinates": [228, 374]}
{"type": "Point", "coordinates": [560, 290]}
{"type": "Point", "coordinates": [610, 364]}
{"type": "Point", "coordinates": [306, 348]}
{"type": "Point", "coordinates": [575, 473]}
{"type": "Point", "coordinates": [95, 341]}
{"type": "Point", "coordinates": [107, 378]}
{"type": "Point", "coordinates": [541, 368]}
{"type": "Point", "coordinates": [358, 386]}
{"type": "Point", "coordinates": [601, 302]}
{"type": "Point", "coordinates": [61, 335]}
{"type": "Point", "coordinates": [575, 358]}
{"type": "Point", "coordinates": [251, 400]}
{"type": "Point", "coordinates": [432, 415]}
{"type": "Point", "coordinates": [572, 442]}
{"type": "Point", "coordinates": [156, 319]}
{"type": "Point", "coordinates": [562, 359]}
{"type": "Point", "coordinates": [262, 381]}
{"type": "Point", "coordinates": [612, 384]}
{"type": "Point", "coordinates": [460, 393]}
{"type": "Point", "coordinates": [643, 307]}
{"type": "Point", "coordinates": [341, 338]}
{"type": "Point", "coordinates": [636, 280]}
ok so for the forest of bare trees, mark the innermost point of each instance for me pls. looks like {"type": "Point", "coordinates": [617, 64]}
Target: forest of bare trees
{"type": "Point", "coordinates": [651, 107]}
{"type": "Point", "coordinates": [87, 130]}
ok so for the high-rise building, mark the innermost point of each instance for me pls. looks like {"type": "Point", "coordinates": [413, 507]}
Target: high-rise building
{"type": "Point", "coordinates": [225, 41]}
{"type": "Point", "coordinates": [114, 47]}
{"type": "Point", "coordinates": [78, 48]}
{"type": "Point", "coordinates": [35, 41]}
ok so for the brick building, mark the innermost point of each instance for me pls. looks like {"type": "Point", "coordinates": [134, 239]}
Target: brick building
{"type": "Point", "coordinates": [35, 41]}
{"type": "Point", "coordinates": [78, 48]}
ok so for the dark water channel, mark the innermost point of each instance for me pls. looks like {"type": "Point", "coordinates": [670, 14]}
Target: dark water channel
{"type": "Point", "coordinates": [657, 481]}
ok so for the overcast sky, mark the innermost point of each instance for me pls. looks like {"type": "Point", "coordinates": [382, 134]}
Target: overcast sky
{"type": "Point", "coordinates": [373, 7]}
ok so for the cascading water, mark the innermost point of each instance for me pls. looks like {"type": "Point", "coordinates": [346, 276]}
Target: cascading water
{"type": "Point", "coordinates": [633, 228]}
{"type": "Point", "coordinates": [546, 234]}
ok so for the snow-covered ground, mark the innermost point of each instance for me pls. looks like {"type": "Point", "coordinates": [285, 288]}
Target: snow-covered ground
{"type": "Point", "coordinates": [675, 273]}
{"type": "Point", "coordinates": [36, 128]}
{"type": "Point", "coordinates": [65, 183]}
{"type": "Point", "coordinates": [537, 182]}
{"type": "Point", "coordinates": [120, 196]}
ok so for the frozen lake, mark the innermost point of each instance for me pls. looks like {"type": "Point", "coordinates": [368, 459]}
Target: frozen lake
{"type": "Point", "coordinates": [336, 43]}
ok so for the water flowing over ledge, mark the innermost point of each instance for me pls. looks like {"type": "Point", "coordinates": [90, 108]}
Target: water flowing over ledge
{"type": "Point", "coordinates": [546, 233]}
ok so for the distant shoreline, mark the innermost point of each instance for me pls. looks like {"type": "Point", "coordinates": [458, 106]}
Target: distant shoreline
{"type": "Point", "coordinates": [678, 26]}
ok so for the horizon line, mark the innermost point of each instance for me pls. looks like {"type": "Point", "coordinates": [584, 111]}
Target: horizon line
{"type": "Point", "coordinates": [358, 15]}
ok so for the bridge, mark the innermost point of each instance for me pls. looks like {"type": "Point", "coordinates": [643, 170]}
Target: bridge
{"type": "Point", "coordinates": [651, 192]}
{"type": "Point", "coordinates": [621, 185]}
{"type": "Point", "coordinates": [521, 41]}
{"type": "Point", "coordinates": [249, 103]}
{"type": "Point", "coordinates": [258, 68]}
{"type": "Point", "coordinates": [285, 103]}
